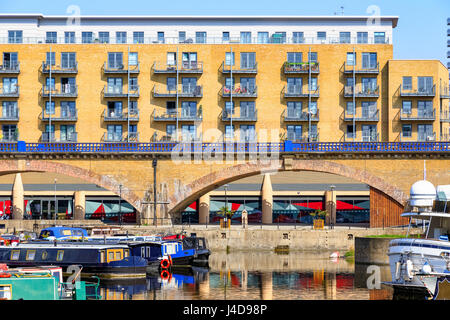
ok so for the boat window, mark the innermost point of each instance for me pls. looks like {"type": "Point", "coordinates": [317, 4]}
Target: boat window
{"type": "Point", "coordinates": [119, 255]}
{"type": "Point", "coordinates": [15, 254]}
{"type": "Point", "coordinates": [5, 292]}
{"type": "Point", "coordinates": [127, 253]}
{"type": "Point", "coordinates": [31, 254]}
{"type": "Point", "coordinates": [111, 256]}
{"type": "Point", "coordinates": [66, 232]}
{"type": "Point", "coordinates": [102, 256]}
{"type": "Point", "coordinates": [44, 255]}
{"type": "Point", "coordinates": [60, 255]}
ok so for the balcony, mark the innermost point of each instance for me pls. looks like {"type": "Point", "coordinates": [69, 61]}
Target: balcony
{"type": "Point", "coordinates": [120, 69]}
{"type": "Point", "coordinates": [9, 137]}
{"type": "Point", "coordinates": [184, 115]}
{"type": "Point", "coordinates": [60, 91]}
{"type": "Point", "coordinates": [444, 92]}
{"type": "Point", "coordinates": [250, 69]}
{"type": "Point", "coordinates": [362, 92]}
{"type": "Point", "coordinates": [68, 69]}
{"type": "Point", "coordinates": [50, 137]}
{"type": "Point", "coordinates": [296, 91]}
{"type": "Point", "coordinates": [10, 115]}
{"type": "Point", "coordinates": [419, 115]}
{"type": "Point", "coordinates": [364, 137]}
{"type": "Point", "coordinates": [362, 116]}
{"type": "Point", "coordinates": [414, 92]}
{"type": "Point", "coordinates": [10, 68]}
{"type": "Point", "coordinates": [359, 69]}
{"type": "Point", "coordinates": [297, 115]}
{"type": "Point", "coordinates": [251, 116]}
{"type": "Point", "coordinates": [301, 67]}
{"type": "Point", "coordinates": [113, 137]}
{"type": "Point", "coordinates": [9, 91]}
{"type": "Point", "coordinates": [64, 116]}
{"type": "Point", "coordinates": [193, 67]}
{"type": "Point", "coordinates": [111, 116]}
{"type": "Point", "coordinates": [171, 92]}
{"type": "Point", "coordinates": [445, 116]}
{"type": "Point", "coordinates": [298, 138]}
{"type": "Point", "coordinates": [117, 92]}
{"type": "Point", "coordinates": [418, 137]}
{"type": "Point", "coordinates": [240, 92]}
{"type": "Point", "coordinates": [445, 137]}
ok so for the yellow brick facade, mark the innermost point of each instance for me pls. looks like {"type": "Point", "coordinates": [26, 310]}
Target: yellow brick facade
{"type": "Point", "coordinates": [270, 102]}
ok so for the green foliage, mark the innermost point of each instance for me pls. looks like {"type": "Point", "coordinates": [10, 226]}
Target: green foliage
{"type": "Point", "coordinates": [225, 212]}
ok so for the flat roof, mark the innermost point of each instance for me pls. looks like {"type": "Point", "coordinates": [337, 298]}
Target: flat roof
{"type": "Point", "coordinates": [394, 19]}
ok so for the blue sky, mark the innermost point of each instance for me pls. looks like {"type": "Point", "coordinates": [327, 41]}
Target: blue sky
{"type": "Point", "coordinates": [421, 32]}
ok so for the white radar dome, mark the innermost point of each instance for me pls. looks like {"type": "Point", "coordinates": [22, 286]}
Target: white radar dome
{"type": "Point", "coordinates": [422, 194]}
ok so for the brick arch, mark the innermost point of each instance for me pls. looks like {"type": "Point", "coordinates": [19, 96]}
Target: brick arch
{"type": "Point", "coordinates": [106, 182]}
{"type": "Point", "coordinates": [181, 199]}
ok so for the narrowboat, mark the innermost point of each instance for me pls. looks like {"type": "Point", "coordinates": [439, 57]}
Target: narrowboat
{"type": "Point", "coordinates": [63, 233]}
{"type": "Point", "coordinates": [105, 260]}
{"type": "Point", "coordinates": [41, 283]}
{"type": "Point", "coordinates": [200, 245]}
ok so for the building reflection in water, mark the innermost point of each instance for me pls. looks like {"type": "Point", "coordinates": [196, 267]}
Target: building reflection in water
{"type": "Point", "coordinates": [256, 276]}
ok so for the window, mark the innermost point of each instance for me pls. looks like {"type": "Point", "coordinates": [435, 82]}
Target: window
{"type": "Point", "coordinates": [68, 60]}
{"type": "Point", "coordinates": [115, 109]}
{"type": "Point", "coordinates": [115, 60]}
{"type": "Point", "coordinates": [171, 84]}
{"type": "Point", "coordinates": [189, 60]}
{"type": "Point", "coordinates": [111, 256]}
{"type": "Point", "coordinates": [279, 37]}
{"type": "Point", "coordinates": [379, 37]}
{"type": "Point", "coordinates": [229, 108]}
{"type": "Point", "coordinates": [15, 255]}
{"type": "Point", "coordinates": [188, 132]}
{"type": "Point", "coordinates": [350, 132]}
{"type": "Point", "coordinates": [312, 56]}
{"type": "Point", "coordinates": [200, 37]}
{"type": "Point", "coordinates": [362, 37]}
{"type": "Point", "coordinates": [368, 109]}
{"type": "Point", "coordinates": [229, 82]}
{"type": "Point", "coordinates": [263, 37]}
{"type": "Point", "coordinates": [425, 109]}
{"type": "Point", "coordinates": [49, 134]}
{"type": "Point", "coordinates": [188, 108]}
{"type": "Point", "coordinates": [294, 85]}
{"type": "Point", "coordinates": [294, 109]}
{"type": "Point", "coordinates": [133, 84]}
{"type": "Point", "coordinates": [247, 109]}
{"type": "Point", "coordinates": [121, 37]}
{"type": "Point", "coordinates": [297, 37]}
{"type": "Point", "coordinates": [170, 130]}
{"type": "Point", "coordinates": [406, 130]}
{"type": "Point", "coordinates": [321, 35]}
{"type": "Point", "coordinates": [68, 132]}
{"type": "Point", "coordinates": [102, 256]}
{"type": "Point", "coordinates": [69, 37]}
{"type": "Point", "coordinates": [246, 37]}
{"type": "Point", "coordinates": [68, 109]}
{"type": "Point", "coordinates": [312, 84]}
{"type": "Point", "coordinates": [344, 37]}
{"type": "Point", "coordinates": [369, 84]}
{"type": "Point", "coordinates": [118, 255]}
{"type": "Point", "coordinates": [5, 292]}
{"type": "Point", "coordinates": [351, 58]}
{"type": "Point", "coordinates": [188, 84]}
{"type": "Point", "coordinates": [229, 132]}
{"type": "Point", "coordinates": [369, 133]}
{"type": "Point", "coordinates": [248, 83]}
{"type": "Point", "coordinates": [248, 60]}
{"type": "Point", "coordinates": [15, 36]}
{"type": "Point", "coordinates": [10, 85]}
{"type": "Point", "coordinates": [369, 60]}
{"type": "Point", "coordinates": [114, 85]}
{"type": "Point", "coordinates": [407, 83]}
{"type": "Point", "coordinates": [160, 35]}
{"type": "Point", "coordinates": [114, 132]}
{"type": "Point", "coordinates": [30, 255]}
{"type": "Point", "coordinates": [171, 107]}
{"type": "Point", "coordinates": [350, 108]}
{"type": "Point", "coordinates": [133, 59]}
{"type": "Point", "coordinates": [425, 132]}
{"type": "Point", "coordinates": [138, 37]}
{"type": "Point", "coordinates": [225, 37]}
{"type": "Point", "coordinates": [181, 36]}
{"type": "Point", "coordinates": [49, 108]}
{"type": "Point", "coordinates": [9, 109]}
{"type": "Point", "coordinates": [425, 84]}
{"type": "Point", "coordinates": [10, 60]}
{"type": "Point", "coordinates": [229, 58]}
{"type": "Point", "coordinates": [294, 57]}
{"type": "Point", "coordinates": [50, 58]}
{"type": "Point", "coordinates": [406, 106]}
{"type": "Point", "coordinates": [10, 133]}
{"type": "Point", "coordinates": [294, 133]}
{"type": "Point", "coordinates": [51, 37]}
{"type": "Point", "coordinates": [171, 58]}
{"type": "Point", "coordinates": [103, 37]}
{"type": "Point", "coordinates": [86, 37]}
{"type": "Point", "coordinates": [247, 133]}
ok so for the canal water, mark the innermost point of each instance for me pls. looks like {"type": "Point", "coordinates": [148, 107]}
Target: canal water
{"type": "Point", "coordinates": [259, 276]}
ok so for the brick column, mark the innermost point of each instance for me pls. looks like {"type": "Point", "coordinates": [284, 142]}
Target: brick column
{"type": "Point", "coordinates": [18, 198]}
{"type": "Point", "coordinates": [79, 210]}
{"type": "Point", "coordinates": [267, 200]}
{"type": "Point", "coordinates": [203, 209]}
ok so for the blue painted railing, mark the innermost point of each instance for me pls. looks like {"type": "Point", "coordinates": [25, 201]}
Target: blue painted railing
{"type": "Point", "coordinates": [237, 147]}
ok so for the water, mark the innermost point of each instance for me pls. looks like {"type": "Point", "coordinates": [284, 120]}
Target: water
{"type": "Point", "coordinates": [258, 276]}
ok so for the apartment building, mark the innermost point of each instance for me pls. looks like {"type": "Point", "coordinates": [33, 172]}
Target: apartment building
{"type": "Point", "coordinates": [213, 79]}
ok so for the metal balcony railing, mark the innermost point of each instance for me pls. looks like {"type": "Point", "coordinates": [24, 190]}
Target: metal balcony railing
{"type": "Point", "coordinates": [362, 91]}
{"type": "Point", "coordinates": [421, 115]}
{"type": "Point", "coordinates": [184, 115]}
{"type": "Point", "coordinates": [60, 69]}
{"type": "Point", "coordinates": [426, 136]}
{"type": "Point", "coordinates": [250, 69]}
{"type": "Point", "coordinates": [10, 114]}
{"type": "Point", "coordinates": [185, 91]}
{"type": "Point", "coordinates": [363, 137]}
{"type": "Point", "coordinates": [362, 69]}
{"type": "Point", "coordinates": [301, 67]}
{"type": "Point", "coordinates": [111, 116]}
{"type": "Point", "coordinates": [119, 92]}
{"type": "Point", "coordinates": [444, 92]}
{"type": "Point", "coordinates": [115, 137]}
{"type": "Point", "coordinates": [183, 67]}
{"type": "Point", "coordinates": [296, 91]}
{"type": "Point", "coordinates": [9, 137]}
{"type": "Point", "coordinates": [362, 115]}
{"type": "Point", "coordinates": [65, 115]}
{"type": "Point", "coordinates": [418, 92]}
{"type": "Point", "coordinates": [298, 115]}
{"type": "Point", "coordinates": [242, 91]}
{"type": "Point", "coordinates": [120, 68]}
{"type": "Point", "coordinates": [445, 116]}
{"type": "Point", "coordinates": [50, 137]}
{"type": "Point", "coordinates": [10, 67]}
{"type": "Point", "coordinates": [246, 115]}
{"type": "Point", "coordinates": [60, 91]}
{"type": "Point", "coordinates": [9, 91]}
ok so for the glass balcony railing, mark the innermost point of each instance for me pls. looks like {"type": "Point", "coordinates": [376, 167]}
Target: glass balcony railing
{"type": "Point", "coordinates": [419, 114]}
{"type": "Point", "coordinates": [183, 67]}
{"type": "Point", "coordinates": [9, 114]}
{"type": "Point", "coordinates": [117, 91]}
{"type": "Point", "coordinates": [64, 115]}
{"type": "Point", "coordinates": [184, 91]}
{"type": "Point", "coordinates": [60, 90]}
{"type": "Point", "coordinates": [418, 92]}
{"type": "Point", "coordinates": [10, 67]}
{"type": "Point", "coordinates": [64, 137]}
{"type": "Point", "coordinates": [362, 68]}
{"type": "Point", "coordinates": [301, 67]}
{"type": "Point", "coordinates": [184, 115]}
{"type": "Point", "coordinates": [112, 115]}
{"type": "Point", "coordinates": [298, 115]}
{"type": "Point", "coordinates": [361, 91]}
{"type": "Point", "coordinates": [9, 91]}
{"type": "Point", "coordinates": [362, 115]}
{"type": "Point", "coordinates": [67, 68]}
{"type": "Point", "coordinates": [119, 137]}
{"type": "Point", "coordinates": [243, 115]}
{"type": "Point", "coordinates": [240, 91]}
{"type": "Point", "coordinates": [251, 68]}
{"type": "Point", "coordinates": [119, 68]}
